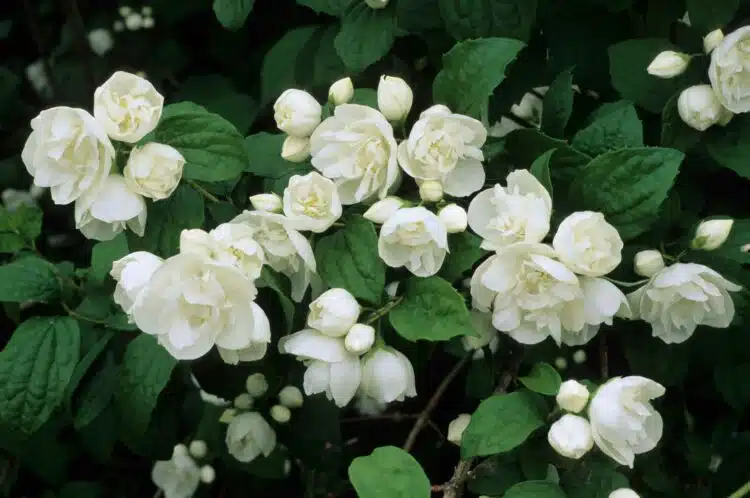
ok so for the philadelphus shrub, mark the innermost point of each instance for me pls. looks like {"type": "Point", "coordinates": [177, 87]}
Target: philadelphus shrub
{"type": "Point", "coordinates": [382, 242]}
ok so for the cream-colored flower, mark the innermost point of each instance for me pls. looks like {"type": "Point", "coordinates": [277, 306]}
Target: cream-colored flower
{"type": "Point", "coordinates": [128, 106]}
{"type": "Point", "coordinates": [699, 107]}
{"type": "Point", "coordinates": [105, 212]}
{"type": "Point", "coordinates": [178, 477]}
{"type": "Point", "coordinates": [570, 436]}
{"type": "Point", "coordinates": [587, 244]}
{"type": "Point", "coordinates": [387, 376]}
{"type": "Point", "coordinates": [572, 396]}
{"type": "Point", "coordinates": [414, 238]}
{"type": "Point", "coordinates": [711, 234]}
{"type": "Point", "coordinates": [154, 170]}
{"type": "Point", "coordinates": [229, 244]}
{"type": "Point", "coordinates": [297, 113]}
{"type": "Point", "coordinates": [334, 312]}
{"type": "Point", "coordinates": [395, 97]}
{"type": "Point", "coordinates": [311, 202]}
{"type": "Point", "coordinates": [729, 71]}
{"type": "Point", "coordinates": [132, 274]}
{"type": "Point", "coordinates": [669, 64]}
{"type": "Point", "coordinates": [249, 436]}
{"type": "Point", "coordinates": [341, 91]}
{"type": "Point", "coordinates": [600, 301]}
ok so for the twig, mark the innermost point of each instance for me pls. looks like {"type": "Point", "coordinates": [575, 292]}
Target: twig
{"type": "Point", "coordinates": [384, 310]}
{"type": "Point", "coordinates": [394, 417]}
{"type": "Point", "coordinates": [205, 193]}
{"type": "Point", "coordinates": [433, 402]}
{"type": "Point", "coordinates": [81, 40]}
{"type": "Point", "coordinates": [603, 356]}
{"type": "Point", "coordinates": [36, 35]}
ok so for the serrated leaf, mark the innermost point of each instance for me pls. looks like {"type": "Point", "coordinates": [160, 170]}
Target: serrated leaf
{"type": "Point", "coordinates": [233, 13]}
{"type": "Point", "coordinates": [558, 105]}
{"type": "Point", "coordinates": [264, 155]}
{"type": "Point", "coordinates": [388, 471]}
{"type": "Point", "coordinates": [432, 310]}
{"type": "Point", "coordinates": [617, 129]}
{"type": "Point", "coordinates": [212, 146]}
{"type": "Point", "coordinates": [464, 253]}
{"type": "Point", "coordinates": [543, 379]}
{"type": "Point", "coordinates": [167, 218]}
{"type": "Point", "coordinates": [35, 368]}
{"type": "Point", "coordinates": [471, 72]}
{"type": "Point", "coordinates": [628, 186]}
{"type": "Point", "coordinates": [145, 371]}
{"type": "Point", "coordinates": [105, 253]}
{"type": "Point", "coordinates": [97, 395]}
{"type": "Point", "coordinates": [482, 18]}
{"type": "Point", "coordinates": [19, 228]}
{"type": "Point", "coordinates": [366, 35]}
{"type": "Point", "coordinates": [28, 279]}
{"type": "Point", "coordinates": [349, 259]}
{"type": "Point", "coordinates": [535, 489]}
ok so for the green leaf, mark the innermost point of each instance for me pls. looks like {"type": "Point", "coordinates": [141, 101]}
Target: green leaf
{"type": "Point", "coordinates": [274, 281]}
{"type": "Point", "coordinates": [145, 371]}
{"type": "Point", "coordinates": [674, 132]}
{"type": "Point", "coordinates": [707, 16]}
{"type": "Point", "coordinates": [471, 72]}
{"type": "Point", "coordinates": [278, 185]}
{"type": "Point", "coordinates": [617, 129]}
{"type": "Point", "coordinates": [212, 146]}
{"type": "Point", "coordinates": [366, 35]}
{"type": "Point", "coordinates": [593, 480]}
{"type": "Point", "coordinates": [481, 18]}
{"type": "Point", "coordinates": [167, 218]}
{"type": "Point", "coordinates": [730, 147]}
{"type": "Point", "coordinates": [540, 169]}
{"type": "Point", "coordinates": [19, 228]}
{"type": "Point", "coordinates": [464, 253]}
{"type": "Point", "coordinates": [525, 146]}
{"type": "Point", "coordinates": [217, 94]}
{"type": "Point", "coordinates": [35, 368]}
{"type": "Point", "coordinates": [97, 395]}
{"type": "Point", "coordinates": [628, 186]}
{"type": "Point", "coordinates": [542, 379]}
{"type": "Point", "coordinates": [28, 279]}
{"type": "Point", "coordinates": [264, 155]}
{"type": "Point", "coordinates": [433, 310]}
{"type": "Point", "coordinates": [349, 259]}
{"type": "Point", "coordinates": [415, 16]}
{"type": "Point", "coordinates": [233, 13]}
{"type": "Point", "coordinates": [105, 253]}
{"type": "Point", "coordinates": [493, 477]}
{"type": "Point", "coordinates": [388, 471]}
{"type": "Point", "coordinates": [330, 7]}
{"type": "Point", "coordinates": [535, 489]}
{"type": "Point", "coordinates": [500, 423]}
{"type": "Point", "coordinates": [558, 105]}
{"type": "Point", "coordinates": [628, 61]}
{"type": "Point", "coordinates": [731, 382]}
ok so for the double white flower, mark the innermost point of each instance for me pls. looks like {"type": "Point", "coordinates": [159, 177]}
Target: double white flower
{"type": "Point", "coordinates": [103, 213]}
{"type": "Point", "coordinates": [132, 274]}
{"type": "Point", "coordinates": [248, 436]}
{"type": "Point", "coordinates": [311, 202]}
{"type": "Point", "coordinates": [230, 244]}
{"type": "Point", "coordinates": [127, 106]}
{"type": "Point", "coordinates": [729, 71]}
{"type": "Point", "coordinates": [414, 238]}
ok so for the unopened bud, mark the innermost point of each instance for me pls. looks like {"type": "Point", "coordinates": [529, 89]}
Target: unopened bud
{"type": "Point", "coordinates": [395, 96]}
{"type": "Point", "coordinates": [280, 414]}
{"type": "Point", "coordinates": [572, 396]}
{"type": "Point", "coordinates": [341, 91]}
{"type": "Point", "coordinates": [208, 474]}
{"type": "Point", "coordinates": [711, 234]}
{"type": "Point", "coordinates": [712, 40]}
{"type": "Point", "coordinates": [198, 449]}
{"type": "Point", "coordinates": [561, 363]}
{"type": "Point", "coordinates": [295, 149]}
{"type": "Point", "coordinates": [457, 427]}
{"type": "Point", "coordinates": [454, 218]}
{"type": "Point", "coordinates": [243, 402]}
{"type": "Point", "coordinates": [383, 209]}
{"type": "Point", "coordinates": [579, 357]}
{"type": "Point", "coordinates": [699, 107]}
{"type": "Point", "coordinates": [256, 385]}
{"type": "Point", "coordinates": [571, 436]}
{"type": "Point", "coordinates": [267, 202]}
{"type": "Point", "coordinates": [668, 64]}
{"type": "Point", "coordinates": [431, 191]}
{"type": "Point", "coordinates": [179, 450]}
{"type": "Point", "coordinates": [391, 289]}
{"type": "Point", "coordinates": [624, 493]}
{"type": "Point", "coordinates": [360, 338]}
{"type": "Point", "coordinates": [291, 397]}
{"type": "Point", "coordinates": [648, 263]}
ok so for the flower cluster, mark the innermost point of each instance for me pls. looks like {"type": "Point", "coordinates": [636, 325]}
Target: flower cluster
{"type": "Point", "coordinates": [180, 476]}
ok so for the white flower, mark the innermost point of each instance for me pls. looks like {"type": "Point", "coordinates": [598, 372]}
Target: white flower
{"type": "Point", "coordinates": [178, 477]}
{"type": "Point", "coordinates": [572, 396]}
{"type": "Point", "coordinates": [229, 244]}
{"type": "Point", "coordinates": [360, 338]}
{"type": "Point", "coordinates": [457, 427]}
{"type": "Point", "coordinates": [128, 106]}
{"type": "Point", "coordinates": [105, 212]}
{"type": "Point", "coordinates": [668, 64]}
{"type": "Point", "coordinates": [648, 263]}
{"type": "Point", "coordinates": [430, 190]}
{"type": "Point", "coordinates": [570, 436]}
{"type": "Point", "coordinates": [531, 294]}
{"type": "Point", "coordinates": [297, 113]}
{"type": "Point", "coordinates": [243, 401]}
{"type": "Point", "coordinates": [529, 108]}
{"type": "Point", "coordinates": [454, 218]}
{"type": "Point", "coordinates": [711, 234]}
{"type": "Point", "coordinates": [369, 407]}
{"type": "Point", "coordinates": [356, 149]}
{"type": "Point", "coordinates": [587, 244]}
{"type": "Point", "coordinates": [729, 71]}
{"type": "Point", "coordinates": [331, 369]}
{"type": "Point", "coordinates": [256, 385]}
{"type": "Point", "coordinates": [519, 212]}
{"type": "Point", "coordinates": [598, 304]}
{"type": "Point", "coordinates": [445, 147]}
{"type": "Point", "coordinates": [682, 296]}
{"type": "Point", "coordinates": [249, 436]}
{"type": "Point", "coordinates": [266, 202]}
{"type": "Point", "coordinates": [383, 209]}
{"type": "Point", "coordinates": [190, 305]}
{"type": "Point", "coordinates": [295, 149]}
{"type": "Point", "coordinates": [503, 127]}
{"type": "Point", "coordinates": [291, 397]}
{"type": "Point", "coordinates": [334, 312]}
{"type": "Point", "coordinates": [395, 96]}
{"type": "Point", "coordinates": [207, 397]}
{"type": "Point", "coordinates": [286, 250]}
{"type": "Point", "coordinates": [712, 40]}
{"type": "Point", "coordinates": [100, 41]}
{"type": "Point", "coordinates": [154, 170]}
{"type": "Point", "coordinates": [699, 107]}
{"type": "Point", "coordinates": [341, 91]}
{"type": "Point", "coordinates": [376, 4]}
{"type": "Point", "coordinates": [623, 493]}
{"type": "Point", "coordinates": [623, 422]}
{"type": "Point", "coordinates": [311, 202]}
{"type": "Point", "coordinates": [132, 274]}
{"type": "Point", "coordinates": [414, 238]}
{"type": "Point", "coordinates": [487, 335]}
{"type": "Point", "coordinates": [67, 151]}
{"type": "Point", "coordinates": [387, 376]}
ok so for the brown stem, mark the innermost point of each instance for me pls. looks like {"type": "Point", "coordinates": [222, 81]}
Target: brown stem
{"type": "Point", "coordinates": [433, 402]}
{"type": "Point", "coordinates": [36, 35]}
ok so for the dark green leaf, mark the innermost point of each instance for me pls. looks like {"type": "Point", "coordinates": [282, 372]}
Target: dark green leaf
{"type": "Point", "coordinates": [19, 228]}
{"type": "Point", "coordinates": [28, 279]}
{"type": "Point", "coordinates": [707, 16]}
{"type": "Point", "coordinates": [274, 281]}
{"type": "Point", "coordinates": [540, 168]}
{"type": "Point", "coordinates": [105, 253]}
{"type": "Point", "coordinates": [366, 35]}
{"type": "Point", "coordinates": [218, 95]}
{"type": "Point", "coordinates": [485, 18]}
{"type": "Point", "coordinates": [535, 489]}
{"type": "Point", "coordinates": [674, 132]}
{"type": "Point", "coordinates": [730, 147]}
{"type": "Point", "coordinates": [594, 480]}
{"type": "Point", "coordinates": [558, 105]}
{"type": "Point", "coordinates": [264, 155]}
{"type": "Point", "coordinates": [525, 146]}
{"type": "Point", "coordinates": [464, 253]}
{"type": "Point", "coordinates": [617, 129]}
{"type": "Point", "coordinates": [330, 7]}
{"type": "Point", "coordinates": [493, 477]}
{"type": "Point", "coordinates": [166, 219]}
{"type": "Point", "coordinates": [97, 395]}
{"type": "Point", "coordinates": [542, 379]}
{"type": "Point", "coordinates": [232, 13]}
{"type": "Point", "coordinates": [388, 471]}
{"type": "Point", "coordinates": [731, 381]}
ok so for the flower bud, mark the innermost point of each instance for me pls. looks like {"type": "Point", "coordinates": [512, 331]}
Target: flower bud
{"type": "Point", "coordinates": [147, 10]}
{"type": "Point", "coordinates": [648, 263]}
{"type": "Point", "coordinates": [572, 396]}
{"type": "Point", "coordinates": [457, 427]}
{"type": "Point", "coordinates": [291, 397]}
{"type": "Point", "coordinates": [624, 493]}
{"type": "Point", "coordinates": [668, 64]}
{"type": "Point", "coordinates": [198, 449]}
{"type": "Point", "coordinates": [579, 357]}
{"type": "Point", "coordinates": [561, 363]}
{"type": "Point", "coordinates": [571, 436]}
{"type": "Point", "coordinates": [267, 202]}
{"type": "Point", "coordinates": [394, 96]}
{"type": "Point", "coordinates": [725, 117]}
{"type": "Point", "coordinates": [243, 401]}
{"type": "Point", "coordinates": [208, 474]}
{"type": "Point", "coordinates": [360, 338]}
{"type": "Point", "coordinates": [256, 385]}
{"type": "Point", "coordinates": [125, 10]}
{"type": "Point", "coordinates": [711, 234]}
{"type": "Point", "coordinates": [295, 149]}
{"type": "Point", "coordinates": [280, 414]}
{"type": "Point", "coordinates": [334, 312]}
{"type": "Point", "coordinates": [712, 40]}
{"type": "Point", "coordinates": [148, 22]}
{"type": "Point", "coordinates": [341, 91]}
{"type": "Point", "coordinates": [100, 41]}
{"type": "Point", "coordinates": [454, 218]}
{"type": "Point", "coordinates": [699, 107]}
{"type": "Point", "coordinates": [384, 209]}
{"type": "Point", "coordinates": [297, 113]}
{"type": "Point", "coordinates": [376, 4]}
{"type": "Point", "coordinates": [179, 450]}
{"type": "Point", "coordinates": [134, 21]}
{"type": "Point", "coordinates": [431, 191]}
{"type": "Point", "coordinates": [391, 289]}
